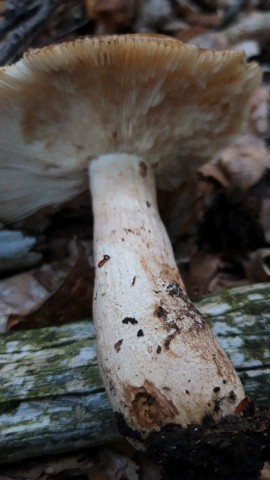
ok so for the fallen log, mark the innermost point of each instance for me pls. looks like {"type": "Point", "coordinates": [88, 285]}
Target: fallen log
{"type": "Point", "coordinates": [51, 396]}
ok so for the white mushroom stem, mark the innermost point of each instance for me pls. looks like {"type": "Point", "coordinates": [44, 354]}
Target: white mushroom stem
{"type": "Point", "coordinates": [159, 361]}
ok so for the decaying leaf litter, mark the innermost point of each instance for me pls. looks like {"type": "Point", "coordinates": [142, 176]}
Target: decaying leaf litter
{"type": "Point", "coordinates": [235, 200]}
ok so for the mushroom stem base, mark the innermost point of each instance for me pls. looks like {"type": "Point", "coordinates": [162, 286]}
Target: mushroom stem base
{"type": "Point", "coordinates": [236, 447]}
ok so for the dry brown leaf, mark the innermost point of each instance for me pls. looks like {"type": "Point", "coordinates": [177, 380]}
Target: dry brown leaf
{"type": "Point", "coordinates": [19, 295]}
{"type": "Point", "coordinates": [152, 14]}
{"type": "Point", "coordinates": [187, 34]}
{"type": "Point", "coordinates": [24, 297]}
{"type": "Point", "coordinates": [71, 300]}
{"type": "Point", "coordinates": [185, 7]}
{"type": "Point", "coordinates": [244, 164]}
{"type": "Point", "coordinates": [112, 14]}
{"type": "Point", "coordinates": [201, 270]}
{"type": "Point", "coordinates": [211, 40]}
{"type": "Point", "coordinates": [117, 467]}
{"type": "Point", "coordinates": [105, 464]}
{"type": "Point", "coordinates": [221, 282]}
{"type": "Point", "coordinates": [174, 27]}
{"type": "Point", "coordinates": [265, 473]}
{"type": "Point", "coordinates": [51, 468]}
{"type": "Point", "coordinates": [148, 470]}
{"type": "Point", "coordinates": [211, 179]}
{"type": "Point", "coordinates": [259, 269]}
{"type": "Point", "coordinates": [211, 20]}
{"type": "Point", "coordinates": [259, 112]}
{"type": "Point", "coordinates": [230, 274]}
{"type": "Point", "coordinates": [209, 170]}
{"type": "Point", "coordinates": [99, 8]}
{"type": "Point", "coordinates": [252, 26]}
{"type": "Point", "coordinates": [2, 6]}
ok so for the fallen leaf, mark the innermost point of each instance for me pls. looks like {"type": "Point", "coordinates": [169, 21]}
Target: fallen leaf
{"type": "Point", "coordinates": [71, 300]}
{"type": "Point", "coordinates": [62, 467]}
{"type": "Point", "coordinates": [117, 466]}
{"type": "Point", "coordinates": [231, 274]}
{"type": "Point", "coordinates": [188, 33]}
{"type": "Point", "coordinates": [259, 269]}
{"type": "Point", "coordinates": [185, 7]}
{"type": "Point", "coordinates": [101, 464]}
{"type": "Point", "coordinates": [253, 25]}
{"type": "Point", "coordinates": [259, 112]}
{"type": "Point", "coordinates": [201, 270]}
{"type": "Point", "coordinates": [211, 20]}
{"type": "Point", "coordinates": [148, 470]}
{"type": "Point", "coordinates": [244, 164]}
{"type": "Point", "coordinates": [111, 13]}
{"type": "Point", "coordinates": [211, 40]}
{"type": "Point", "coordinates": [153, 13]}
{"type": "Point", "coordinates": [209, 170]}
{"type": "Point", "coordinates": [265, 473]}
{"type": "Point", "coordinates": [19, 295]}
{"type": "Point", "coordinates": [222, 282]}
{"type": "Point", "coordinates": [210, 181]}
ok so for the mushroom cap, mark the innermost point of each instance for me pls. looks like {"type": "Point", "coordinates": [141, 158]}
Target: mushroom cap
{"type": "Point", "coordinates": [173, 104]}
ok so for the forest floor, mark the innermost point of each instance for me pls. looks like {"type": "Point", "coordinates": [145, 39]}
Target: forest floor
{"type": "Point", "coordinates": [223, 244]}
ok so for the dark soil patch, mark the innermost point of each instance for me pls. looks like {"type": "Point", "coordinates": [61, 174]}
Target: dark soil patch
{"type": "Point", "coordinates": [234, 449]}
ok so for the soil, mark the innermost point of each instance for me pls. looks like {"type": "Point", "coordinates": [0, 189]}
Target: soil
{"type": "Point", "coordinates": [234, 449]}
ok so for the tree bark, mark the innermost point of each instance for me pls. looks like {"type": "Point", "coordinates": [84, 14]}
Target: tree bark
{"type": "Point", "coordinates": [51, 396]}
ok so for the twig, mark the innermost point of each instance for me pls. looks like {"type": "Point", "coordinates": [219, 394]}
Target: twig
{"type": "Point", "coordinates": [16, 11]}
{"type": "Point", "coordinates": [22, 36]}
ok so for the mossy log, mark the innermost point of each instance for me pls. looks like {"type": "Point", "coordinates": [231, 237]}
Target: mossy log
{"type": "Point", "coordinates": [51, 396]}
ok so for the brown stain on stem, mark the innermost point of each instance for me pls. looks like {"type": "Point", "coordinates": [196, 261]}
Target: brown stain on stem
{"type": "Point", "coordinates": [142, 169]}
{"type": "Point", "coordinates": [170, 274]}
{"type": "Point", "coordinates": [148, 407]}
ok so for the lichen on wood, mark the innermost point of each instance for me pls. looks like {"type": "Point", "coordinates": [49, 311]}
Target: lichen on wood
{"type": "Point", "coordinates": [52, 398]}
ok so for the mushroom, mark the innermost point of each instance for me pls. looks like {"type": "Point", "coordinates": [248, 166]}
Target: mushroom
{"type": "Point", "coordinates": [130, 110]}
